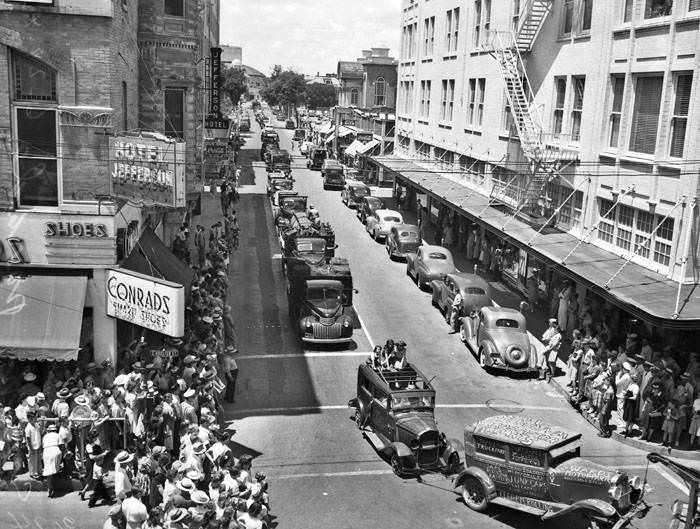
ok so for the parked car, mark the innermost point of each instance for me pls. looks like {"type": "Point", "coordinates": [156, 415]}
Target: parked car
{"type": "Point", "coordinates": [289, 124]}
{"type": "Point", "coordinates": [332, 174]}
{"type": "Point", "coordinates": [395, 409]}
{"type": "Point", "coordinates": [523, 463]}
{"type": "Point", "coordinates": [475, 292]}
{"type": "Point", "coordinates": [379, 223]}
{"type": "Point", "coordinates": [367, 206]}
{"type": "Point", "coordinates": [498, 337]}
{"type": "Point", "coordinates": [353, 193]}
{"type": "Point", "coordinates": [402, 239]}
{"type": "Point", "coordinates": [429, 263]}
{"type": "Point", "coordinates": [279, 183]}
{"type": "Point", "coordinates": [353, 175]}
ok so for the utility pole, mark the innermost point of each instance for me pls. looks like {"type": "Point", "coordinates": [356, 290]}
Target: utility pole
{"type": "Point", "coordinates": [337, 131]}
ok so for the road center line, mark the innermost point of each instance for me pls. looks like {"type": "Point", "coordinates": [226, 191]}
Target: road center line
{"type": "Point", "coordinates": [296, 409]}
{"type": "Point", "coordinates": [306, 354]}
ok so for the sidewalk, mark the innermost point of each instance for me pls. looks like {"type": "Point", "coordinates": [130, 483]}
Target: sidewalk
{"type": "Point", "coordinates": [537, 323]}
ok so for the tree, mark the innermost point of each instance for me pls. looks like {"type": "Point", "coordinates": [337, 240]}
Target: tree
{"type": "Point", "coordinates": [286, 88]}
{"type": "Point", "coordinates": [320, 95]}
{"type": "Point", "coordinates": [234, 83]}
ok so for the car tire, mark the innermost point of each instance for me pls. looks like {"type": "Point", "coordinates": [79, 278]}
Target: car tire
{"type": "Point", "coordinates": [420, 282]}
{"type": "Point", "coordinates": [474, 494]}
{"type": "Point", "coordinates": [482, 358]}
{"type": "Point", "coordinates": [358, 419]}
{"type": "Point", "coordinates": [375, 236]}
{"type": "Point", "coordinates": [398, 466]}
{"type": "Point", "coordinates": [453, 464]}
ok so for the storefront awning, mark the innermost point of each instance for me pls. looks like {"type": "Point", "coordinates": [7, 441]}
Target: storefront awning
{"type": "Point", "coordinates": [351, 149]}
{"type": "Point", "coordinates": [152, 257]}
{"type": "Point", "coordinates": [42, 317]}
{"type": "Point", "coordinates": [649, 295]}
{"type": "Point", "coordinates": [367, 147]}
{"type": "Point", "coordinates": [330, 138]}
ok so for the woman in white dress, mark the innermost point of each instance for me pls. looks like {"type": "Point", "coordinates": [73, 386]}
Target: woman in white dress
{"type": "Point", "coordinates": [52, 456]}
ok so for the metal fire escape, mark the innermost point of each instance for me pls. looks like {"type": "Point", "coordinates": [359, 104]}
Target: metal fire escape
{"type": "Point", "coordinates": [546, 153]}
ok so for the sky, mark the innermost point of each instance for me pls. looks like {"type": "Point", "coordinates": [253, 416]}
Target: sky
{"type": "Point", "coordinates": [308, 36]}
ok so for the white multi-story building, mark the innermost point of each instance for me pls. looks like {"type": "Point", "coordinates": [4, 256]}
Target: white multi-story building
{"type": "Point", "coordinates": [563, 130]}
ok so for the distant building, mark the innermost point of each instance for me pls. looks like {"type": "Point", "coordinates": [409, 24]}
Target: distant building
{"type": "Point", "coordinates": [231, 56]}
{"type": "Point", "coordinates": [368, 82]}
{"type": "Point", "coordinates": [329, 79]}
{"type": "Point", "coordinates": [255, 80]}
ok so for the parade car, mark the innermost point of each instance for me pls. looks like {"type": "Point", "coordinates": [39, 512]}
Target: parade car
{"type": "Point", "coordinates": [279, 183]}
{"type": "Point", "coordinates": [498, 336]}
{"type": "Point", "coordinates": [523, 463]}
{"type": "Point", "coordinates": [475, 292]}
{"type": "Point", "coordinates": [402, 239]}
{"type": "Point", "coordinates": [395, 409]}
{"type": "Point", "coordinates": [367, 206]}
{"type": "Point", "coordinates": [353, 193]}
{"type": "Point", "coordinates": [429, 263]}
{"type": "Point", "coordinates": [379, 223]}
{"type": "Point", "coordinates": [333, 175]}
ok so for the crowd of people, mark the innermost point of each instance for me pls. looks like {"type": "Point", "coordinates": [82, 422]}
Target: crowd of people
{"type": "Point", "coordinates": [149, 437]}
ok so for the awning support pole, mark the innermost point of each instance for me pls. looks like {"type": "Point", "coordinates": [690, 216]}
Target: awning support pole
{"type": "Point", "coordinates": [589, 231]}
{"type": "Point", "coordinates": [684, 259]}
{"type": "Point", "coordinates": [556, 211]}
{"type": "Point", "coordinates": [638, 247]}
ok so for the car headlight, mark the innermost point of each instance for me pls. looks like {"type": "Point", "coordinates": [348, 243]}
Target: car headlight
{"type": "Point", "coordinates": [308, 325]}
{"type": "Point", "coordinates": [346, 323]}
{"type": "Point", "coordinates": [615, 492]}
{"type": "Point", "coordinates": [635, 482]}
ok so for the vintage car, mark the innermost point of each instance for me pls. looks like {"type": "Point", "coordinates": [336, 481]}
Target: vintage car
{"type": "Point", "coordinates": [402, 239]}
{"type": "Point", "coordinates": [333, 175]}
{"type": "Point", "coordinates": [299, 135]}
{"type": "Point", "coordinates": [367, 206]}
{"type": "Point", "coordinates": [317, 155]}
{"type": "Point", "coordinates": [475, 292]}
{"type": "Point", "coordinates": [322, 316]}
{"type": "Point", "coordinates": [289, 124]}
{"type": "Point", "coordinates": [429, 263]}
{"type": "Point", "coordinates": [379, 223]}
{"type": "Point", "coordinates": [523, 463]}
{"type": "Point", "coordinates": [353, 175]}
{"type": "Point", "coordinates": [395, 410]}
{"type": "Point", "coordinates": [498, 336]}
{"type": "Point", "coordinates": [279, 183]}
{"type": "Point", "coordinates": [354, 192]}
{"type": "Point", "coordinates": [279, 197]}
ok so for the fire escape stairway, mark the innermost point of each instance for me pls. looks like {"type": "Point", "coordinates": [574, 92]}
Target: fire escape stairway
{"type": "Point", "coordinates": [534, 11]}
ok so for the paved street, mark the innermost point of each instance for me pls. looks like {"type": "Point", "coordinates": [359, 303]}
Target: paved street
{"type": "Point", "coordinates": [291, 402]}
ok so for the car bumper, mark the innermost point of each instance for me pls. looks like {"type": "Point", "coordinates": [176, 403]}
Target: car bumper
{"type": "Point", "coordinates": [511, 369]}
{"type": "Point", "coordinates": [331, 185]}
{"type": "Point", "coordinates": [311, 339]}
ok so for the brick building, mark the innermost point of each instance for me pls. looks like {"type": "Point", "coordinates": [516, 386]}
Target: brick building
{"type": "Point", "coordinates": [563, 132]}
{"type": "Point", "coordinates": [72, 79]}
{"type": "Point", "coordinates": [369, 81]}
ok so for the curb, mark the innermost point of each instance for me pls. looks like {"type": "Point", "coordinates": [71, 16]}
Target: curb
{"type": "Point", "coordinates": [630, 441]}
{"type": "Point", "coordinates": [26, 484]}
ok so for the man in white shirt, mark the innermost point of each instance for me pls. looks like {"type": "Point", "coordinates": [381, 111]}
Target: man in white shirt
{"type": "Point", "coordinates": [134, 510]}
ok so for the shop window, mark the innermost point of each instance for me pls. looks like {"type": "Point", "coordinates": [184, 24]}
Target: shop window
{"type": "Point", "coordinates": [354, 96]}
{"type": "Point", "coordinates": [658, 8]}
{"type": "Point", "coordinates": [174, 8]}
{"type": "Point", "coordinates": [174, 112]}
{"type": "Point", "coordinates": [618, 92]}
{"type": "Point", "coordinates": [606, 225]}
{"type": "Point", "coordinates": [559, 101]}
{"type": "Point", "coordinates": [579, 85]}
{"type": "Point", "coordinates": [679, 118]}
{"type": "Point", "coordinates": [645, 118]}
{"type": "Point", "coordinates": [663, 242]}
{"type": "Point", "coordinates": [380, 92]}
{"type": "Point", "coordinates": [645, 225]}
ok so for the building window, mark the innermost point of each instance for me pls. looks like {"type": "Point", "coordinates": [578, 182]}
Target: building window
{"type": "Point", "coordinates": [487, 19]}
{"type": "Point", "coordinates": [174, 113]}
{"type": "Point", "coordinates": [679, 119]}
{"type": "Point", "coordinates": [429, 32]}
{"type": "Point", "coordinates": [33, 80]}
{"type": "Point", "coordinates": [576, 17]}
{"type": "Point", "coordinates": [174, 8]}
{"type": "Point", "coordinates": [481, 94]}
{"type": "Point", "coordinates": [413, 37]}
{"type": "Point", "coordinates": [380, 92]}
{"type": "Point", "coordinates": [125, 111]}
{"type": "Point", "coordinates": [447, 99]}
{"type": "Point", "coordinates": [425, 99]}
{"type": "Point", "coordinates": [515, 19]}
{"type": "Point", "coordinates": [618, 92]}
{"type": "Point", "coordinates": [477, 23]}
{"type": "Point", "coordinates": [579, 85]}
{"type": "Point", "coordinates": [658, 8]}
{"type": "Point", "coordinates": [559, 102]}
{"type": "Point", "coordinates": [625, 223]}
{"type": "Point", "coordinates": [693, 5]}
{"type": "Point", "coordinates": [587, 15]}
{"type": "Point", "coordinates": [507, 122]}
{"type": "Point", "coordinates": [663, 242]}
{"type": "Point", "coordinates": [568, 20]}
{"type": "Point", "coordinates": [571, 208]}
{"type": "Point", "coordinates": [452, 30]}
{"type": "Point", "coordinates": [645, 225]}
{"type": "Point", "coordinates": [354, 96]}
{"type": "Point", "coordinates": [645, 118]}
{"type": "Point", "coordinates": [627, 15]}
{"type": "Point", "coordinates": [471, 110]}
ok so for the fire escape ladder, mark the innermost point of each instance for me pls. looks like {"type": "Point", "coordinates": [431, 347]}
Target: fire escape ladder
{"type": "Point", "coordinates": [532, 18]}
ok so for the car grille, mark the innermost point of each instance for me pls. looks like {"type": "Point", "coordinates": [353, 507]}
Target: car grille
{"type": "Point", "coordinates": [326, 332]}
{"type": "Point", "coordinates": [624, 503]}
{"type": "Point", "coordinates": [428, 449]}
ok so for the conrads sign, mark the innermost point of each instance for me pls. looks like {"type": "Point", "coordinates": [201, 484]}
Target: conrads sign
{"type": "Point", "coordinates": [152, 303]}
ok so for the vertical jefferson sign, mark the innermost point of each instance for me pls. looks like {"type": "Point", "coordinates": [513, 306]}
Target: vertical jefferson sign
{"type": "Point", "coordinates": [146, 301]}
{"type": "Point", "coordinates": [215, 120]}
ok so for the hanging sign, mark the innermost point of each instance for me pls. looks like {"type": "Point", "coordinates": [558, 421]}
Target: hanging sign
{"type": "Point", "coordinates": [215, 120]}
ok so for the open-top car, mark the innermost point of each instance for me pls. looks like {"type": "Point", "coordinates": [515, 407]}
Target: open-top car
{"type": "Point", "coordinates": [475, 292]}
{"type": "Point", "coordinates": [354, 192]}
{"type": "Point", "coordinates": [396, 411]}
{"type": "Point", "coordinates": [379, 223]}
{"type": "Point", "coordinates": [429, 263]}
{"type": "Point", "coordinates": [279, 183]}
{"type": "Point", "coordinates": [402, 239]}
{"type": "Point", "coordinates": [498, 337]}
{"type": "Point", "coordinates": [367, 206]}
{"type": "Point", "coordinates": [523, 463]}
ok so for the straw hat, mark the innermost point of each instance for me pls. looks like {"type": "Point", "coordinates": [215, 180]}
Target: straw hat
{"type": "Point", "coordinates": [124, 457]}
{"type": "Point", "coordinates": [185, 485]}
{"type": "Point", "coordinates": [199, 497]}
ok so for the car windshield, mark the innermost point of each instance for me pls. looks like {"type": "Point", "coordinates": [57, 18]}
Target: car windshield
{"type": "Point", "coordinates": [391, 219]}
{"type": "Point", "coordinates": [407, 402]}
{"type": "Point", "coordinates": [437, 256]}
{"type": "Point", "coordinates": [326, 298]}
{"type": "Point", "coordinates": [311, 245]}
{"type": "Point", "coordinates": [360, 191]}
{"type": "Point", "coordinates": [297, 204]}
{"type": "Point", "coordinates": [475, 291]}
{"type": "Point", "coordinates": [508, 323]}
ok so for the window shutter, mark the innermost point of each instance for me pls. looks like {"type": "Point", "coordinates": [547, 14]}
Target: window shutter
{"type": "Point", "coordinates": [645, 122]}
{"type": "Point", "coordinates": [683, 87]}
